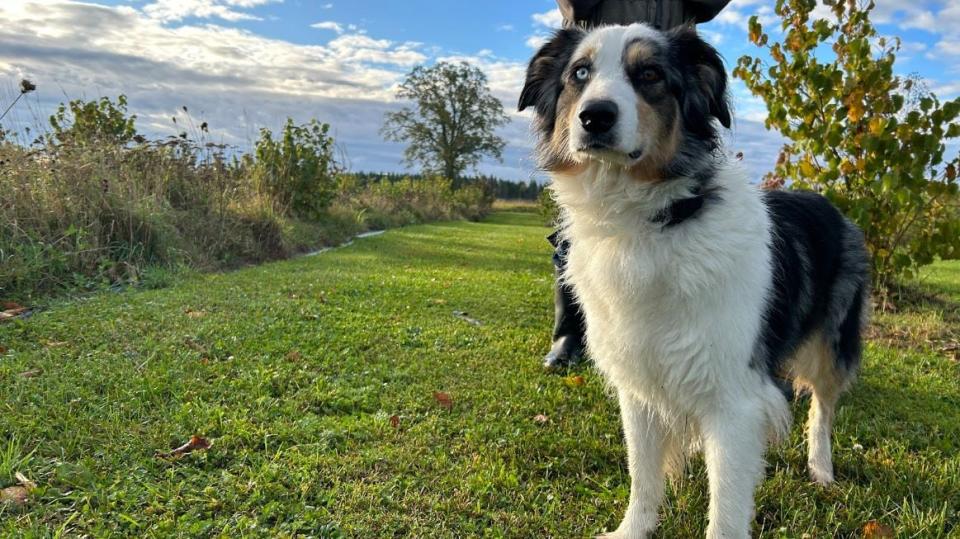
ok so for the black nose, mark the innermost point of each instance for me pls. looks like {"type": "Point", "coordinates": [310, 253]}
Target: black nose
{"type": "Point", "coordinates": [598, 117]}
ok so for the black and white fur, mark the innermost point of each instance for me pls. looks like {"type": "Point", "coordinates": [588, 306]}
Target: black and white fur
{"type": "Point", "coordinates": [701, 293]}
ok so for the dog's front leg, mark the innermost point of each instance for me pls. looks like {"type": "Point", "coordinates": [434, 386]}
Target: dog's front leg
{"type": "Point", "coordinates": [646, 438]}
{"type": "Point", "coordinates": [734, 442]}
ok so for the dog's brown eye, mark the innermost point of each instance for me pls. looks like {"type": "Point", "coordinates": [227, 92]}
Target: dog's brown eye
{"type": "Point", "coordinates": [650, 75]}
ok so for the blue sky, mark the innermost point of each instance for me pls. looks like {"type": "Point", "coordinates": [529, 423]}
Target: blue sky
{"type": "Point", "coordinates": [245, 64]}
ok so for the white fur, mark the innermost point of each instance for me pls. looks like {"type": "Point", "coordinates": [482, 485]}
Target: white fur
{"type": "Point", "coordinates": [673, 316]}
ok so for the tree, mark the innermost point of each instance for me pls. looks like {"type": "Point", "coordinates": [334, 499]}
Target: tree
{"type": "Point", "coordinates": [451, 124]}
{"type": "Point", "coordinates": [858, 133]}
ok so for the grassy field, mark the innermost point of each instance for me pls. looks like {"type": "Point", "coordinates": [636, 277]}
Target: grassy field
{"type": "Point", "coordinates": [392, 389]}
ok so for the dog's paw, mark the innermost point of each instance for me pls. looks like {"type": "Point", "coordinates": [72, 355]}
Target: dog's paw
{"type": "Point", "coordinates": [620, 534]}
{"type": "Point", "coordinates": [821, 475]}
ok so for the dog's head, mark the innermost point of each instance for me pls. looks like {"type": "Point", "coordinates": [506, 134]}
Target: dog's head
{"type": "Point", "coordinates": [631, 96]}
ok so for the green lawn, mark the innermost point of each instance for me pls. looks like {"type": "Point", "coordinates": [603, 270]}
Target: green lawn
{"type": "Point", "coordinates": [315, 380]}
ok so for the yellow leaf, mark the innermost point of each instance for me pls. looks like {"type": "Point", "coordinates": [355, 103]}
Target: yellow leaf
{"type": "Point", "coordinates": [846, 167]}
{"type": "Point", "coordinates": [875, 530]}
{"type": "Point", "coordinates": [855, 107]}
{"type": "Point", "coordinates": [855, 112]}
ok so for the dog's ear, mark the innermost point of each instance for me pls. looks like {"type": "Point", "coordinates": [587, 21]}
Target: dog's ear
{"type": "Point", "coordinates": [705, 79]}
{"type": "Point", "coordinates": [545, 73]}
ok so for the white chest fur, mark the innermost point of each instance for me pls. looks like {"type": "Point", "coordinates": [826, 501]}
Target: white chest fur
{"type": "Point", "coordinates": [672, 314]}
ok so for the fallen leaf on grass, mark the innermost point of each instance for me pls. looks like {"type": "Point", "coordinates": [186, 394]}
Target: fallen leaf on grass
{"type": "Point", "coordinates": [438, 301]}
{"type": "Point", "coordinates": [18, 495]}
{"type": "Point", "coordinates": [10, 305]}
{"type": "Point", "coordinates": [14, 495]}
{"type": "Point", "coordinates": [952, 350]}
{"type": "Point", "coordinates": [443, 399]}
{"type": "Point", "coordinates": [574, 381]}
{"type": "Point", "coordinates": [466, 318]}
{"type": "Point", "coordinates": [3, 349]}
{"type": "Point", "coordinates": [31, 373]}
{"type": "Point", "coordinates": [195, 314]}
{"type": "Point", "coordinates": [196, 443]}
{"type": "Point", "coordinates": [10, 314]}
{"type": "Point", "coordinates": [541, 419]}
{"type": "Point", "coordinates": [875, 530]}
{"type": "Point", "coordinates": [395, 421]}
{"type": "Point", "coordinates": [294, 356]}
{"type": "Point", "coordinates": [56, 344]}
{"type": "Point", "coordinates": [24, 482]}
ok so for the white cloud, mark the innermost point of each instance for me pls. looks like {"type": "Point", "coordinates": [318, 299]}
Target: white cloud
{"type": "Point", "coordinates": [536, 41]}
{"type": "Point", "coordinates": [550, 19]}
{"type": "Point", "coordinates": [922, 20]}
{"type": "Point", "coordinates": [505, 28]}
{"type": "Point", "coordinates": [177, 10]}
{"type": "Point", "coordinates": [235, 80]}
{"type": "Point", "coordinates": [543, 22]}
{"type": "Point", "coordinates": [715, 38]}
{"type": "Point", "coordinates": [949, 46]}
{"type": "Point", "coordinates": [738, 13]}
{"type": "Point", "coordinates": [946, 91]}
{"type": "Point", "coordinates": [328, 25]}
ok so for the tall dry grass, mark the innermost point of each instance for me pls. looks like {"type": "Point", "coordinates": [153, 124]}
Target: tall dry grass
{"type": "Point", "coordinates": [77, 212]}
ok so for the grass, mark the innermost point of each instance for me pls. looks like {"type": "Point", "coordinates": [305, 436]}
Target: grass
{"type": "Point", "coordinates": [315, 380]}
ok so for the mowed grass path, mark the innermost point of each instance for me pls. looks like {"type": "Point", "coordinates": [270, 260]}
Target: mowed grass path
{"type": "Point", "coordinates": [315, 378]}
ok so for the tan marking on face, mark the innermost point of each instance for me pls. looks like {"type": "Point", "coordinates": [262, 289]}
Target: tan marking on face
{"type": "Point", "coordinates": [667, 136]}
{"type": "Point", "coordinates": [590, 53]}
{"type": "Point", "coordinates": [639, 52]}
{"type": "Point", "coordinates": [558, 145]}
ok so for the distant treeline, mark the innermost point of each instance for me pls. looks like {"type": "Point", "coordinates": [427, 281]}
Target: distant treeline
{"type": "Point", "coordinates": [499, 188]}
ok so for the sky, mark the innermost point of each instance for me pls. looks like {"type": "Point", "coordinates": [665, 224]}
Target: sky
{"type": "Point", "coordinates": [242, 65]}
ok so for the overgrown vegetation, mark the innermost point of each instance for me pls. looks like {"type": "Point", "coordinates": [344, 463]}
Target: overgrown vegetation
{"type": "Point", "coordinates": [346, 395]}
{"type": "Point", "coordinates": [93, 203]}
{"type": "Point", "coordinates": [871, 141]}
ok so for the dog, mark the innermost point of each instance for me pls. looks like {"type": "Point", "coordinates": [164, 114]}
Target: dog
{"type": "Point", "coordinates": [703, 295]}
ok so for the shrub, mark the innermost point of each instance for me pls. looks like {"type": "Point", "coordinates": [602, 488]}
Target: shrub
{"type": "Point", "coordinates": [855, 136]}
{"type": "Point", "coordinates": [548, 208]}
{"type": "Point", "coordinates": [298, 171]}
{"type": "Point", "coordinates": [100, 122]}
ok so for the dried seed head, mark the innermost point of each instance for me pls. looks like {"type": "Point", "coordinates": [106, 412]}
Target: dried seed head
{"type": "Point", "coordinates": [26, 86]}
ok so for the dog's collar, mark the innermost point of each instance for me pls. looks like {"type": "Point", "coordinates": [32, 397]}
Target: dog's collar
{"type": "Point", "coordinates": [683, 209]}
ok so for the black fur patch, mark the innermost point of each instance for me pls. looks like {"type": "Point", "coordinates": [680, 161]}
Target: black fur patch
{"type": "Point", "coordinates": [820, 281]}
{"type": "Point", "coordinates": [684, 209]}
{"type": "Point", "coordinates": [544, 81]}
{"type": "Point", "coordinates": [702, 90]}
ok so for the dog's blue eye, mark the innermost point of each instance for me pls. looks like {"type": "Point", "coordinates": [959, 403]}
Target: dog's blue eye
{"type": "Point", "coordinates": [582, 73]}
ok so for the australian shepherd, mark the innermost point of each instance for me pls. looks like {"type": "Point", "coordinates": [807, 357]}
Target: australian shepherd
{"type": "Point", "coordinates": [704, 297]}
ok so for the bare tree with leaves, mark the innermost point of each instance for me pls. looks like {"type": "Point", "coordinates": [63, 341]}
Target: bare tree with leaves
{"type": "Point", "coordinates": [452, 121]}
